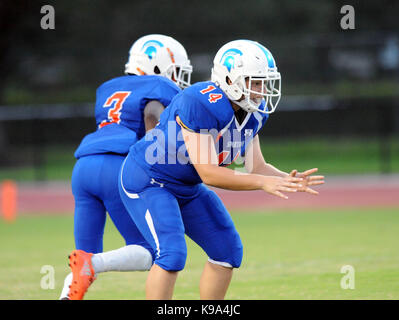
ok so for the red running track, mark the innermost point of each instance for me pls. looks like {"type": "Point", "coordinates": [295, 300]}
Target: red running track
{"type": "Point", "coordinates": [338, 192]}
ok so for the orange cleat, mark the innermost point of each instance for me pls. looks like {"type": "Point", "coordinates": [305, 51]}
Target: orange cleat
{"type": "Point", "coordinates": [83, 274]}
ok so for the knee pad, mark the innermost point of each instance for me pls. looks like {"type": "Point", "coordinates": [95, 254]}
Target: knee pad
{"type": "Point", "coordinates": [236, 257]}
{"type": "Point", "coordinates": [233, 261]}
{"type": "Point", "coordinates": [230, 253]}
{"type": "Point", "coordinates": [172, 260]}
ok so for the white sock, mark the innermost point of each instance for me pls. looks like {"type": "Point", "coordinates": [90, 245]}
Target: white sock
{"type": "Point", "coordinates": [67, 283]}
{"type": "Point", "coordinates": [128, 258]}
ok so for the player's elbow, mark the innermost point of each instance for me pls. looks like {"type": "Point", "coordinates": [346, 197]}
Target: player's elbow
{"type": "Point", "coordinates": [152, 113]}
{"type": "Point", "coordinates": [150, 121]}
{"type": "Point", "coordinates": [207, 174]}
{"type": "Point", "coordinates": [207, 180]}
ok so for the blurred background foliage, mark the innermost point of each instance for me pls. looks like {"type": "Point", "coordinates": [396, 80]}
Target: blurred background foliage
{"type": "Point", "coordinates": [92, 38]}
{"type": "Point", "coordinates": [339, 85]}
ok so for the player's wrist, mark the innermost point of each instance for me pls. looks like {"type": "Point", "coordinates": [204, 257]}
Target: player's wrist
{"type": "Point", "coordinates": [265, 181]}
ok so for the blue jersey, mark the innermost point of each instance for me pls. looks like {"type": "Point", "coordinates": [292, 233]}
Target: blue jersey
{"type": "Point", "coordinates": [120, 103]}
{"type": "Point", "coordinates": [202, 108]}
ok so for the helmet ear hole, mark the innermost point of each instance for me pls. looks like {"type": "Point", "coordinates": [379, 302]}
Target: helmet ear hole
{"type": "Point", "coordinates": [228, 81]}
{"type": "Point", "coordinates": [156, 70]}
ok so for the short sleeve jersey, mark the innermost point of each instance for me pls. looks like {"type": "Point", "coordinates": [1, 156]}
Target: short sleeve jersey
{"type": "Point", "coordinates": [119, 108]}
{"type": "Point", "coordinates": [202, 108]}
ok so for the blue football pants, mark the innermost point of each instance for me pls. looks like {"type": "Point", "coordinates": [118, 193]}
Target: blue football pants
{"type": "Point", "coordinates": [165, 213]}
{"type": "Point", "coordinates": [95, 191]}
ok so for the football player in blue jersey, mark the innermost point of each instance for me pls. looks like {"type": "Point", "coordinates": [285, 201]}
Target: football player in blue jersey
{"type": "Point", "coordinates": [126, 108]}
{"type": "Point", "coordinates": [163, 179]}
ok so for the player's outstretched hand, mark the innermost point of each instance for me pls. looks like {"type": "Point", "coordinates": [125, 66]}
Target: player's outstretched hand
{"type": "Point", "coordinates": [276, 185]}
{"type": "Point", "coordinates": [308, 180]}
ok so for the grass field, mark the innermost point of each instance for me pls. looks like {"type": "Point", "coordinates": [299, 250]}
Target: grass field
{"type": "Point", "coordinates": [287, 255]}
{"type": "Point", "coordinates": [335, 156]}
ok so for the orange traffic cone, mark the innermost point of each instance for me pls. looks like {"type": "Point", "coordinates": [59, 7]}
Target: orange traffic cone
{"type": "Point", "coordinates": [8, 198]}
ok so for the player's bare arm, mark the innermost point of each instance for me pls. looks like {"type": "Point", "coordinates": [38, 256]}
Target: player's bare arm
{"type": "Point", "coordinates": [256, 163]}
{"type": "Point", "coordinates": [202, 153]}
{"type": "Point", "coordinates": [152, 112]}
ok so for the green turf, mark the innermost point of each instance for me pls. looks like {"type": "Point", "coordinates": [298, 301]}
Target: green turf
{"type": "Point", "coordinates": [331, 156]}
{"type": "Point", "coordinates": [287, 255]}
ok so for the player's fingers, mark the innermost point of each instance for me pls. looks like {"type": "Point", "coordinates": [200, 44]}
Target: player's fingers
{"type": "Point", "coordinates": [293, 179]}
{"type": "Point", "coordinates": [311, 191]}
{"type": "Point", "coordinates": [291, 184]}
{"type": "Point", "coordinates": [287, 189]}
{"type": "Point", "coordinates": [315, 183]}
{"type": "Point", "coordinates": [316, 178]}
{"type": "Point", "coordinates": [310, 171]}
{"type": "Point", "coordinates": [293, 173]}
{"type": "Point", "coordinates": [279, 194]}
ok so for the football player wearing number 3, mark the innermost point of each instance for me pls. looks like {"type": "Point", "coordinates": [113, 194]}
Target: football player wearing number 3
{"type": "Point", "coordinates": [126, 107]}
{"type": "Point", "coordinates": [206, 127]}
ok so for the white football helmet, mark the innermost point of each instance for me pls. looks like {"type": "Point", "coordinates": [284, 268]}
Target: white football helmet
{"type": "Point", "coordinates": [240, 65]}
{"type": "Point", "coordinates": [161, 55]}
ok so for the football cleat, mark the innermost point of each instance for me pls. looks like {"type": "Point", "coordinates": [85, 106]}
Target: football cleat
{"type": "Point", "coordinates": [83, 274]}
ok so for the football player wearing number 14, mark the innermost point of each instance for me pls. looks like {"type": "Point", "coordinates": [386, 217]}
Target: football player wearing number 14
{"type": "Point", "coordinates": [206, 127]}
{"type": "Point", "coordinates": [126, 107]}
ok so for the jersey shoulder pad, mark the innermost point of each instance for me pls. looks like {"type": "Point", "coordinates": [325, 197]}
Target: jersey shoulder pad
{"type": "Point", "coordinates": [166, 82]}
{"type": "Point", "coordinates": [113, 81]}
{"type": "Point", "coordinates": [204, 106]}
{"type": "Point", "coordinates": [160, 89]}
